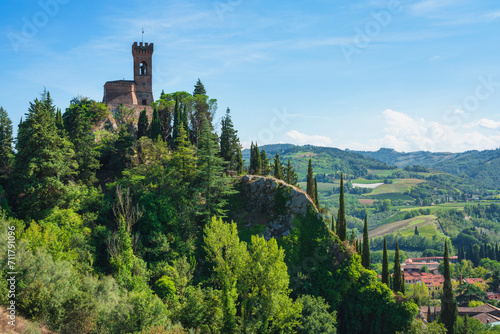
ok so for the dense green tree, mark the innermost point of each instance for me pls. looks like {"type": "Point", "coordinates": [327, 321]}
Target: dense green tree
{"type": "Point", "coordinates": [310, 181]}
{"type": "Point", "coordinates": [416, 231]}
{"type": "Point", "coordinates": [78, 127]}
{"type": "Point", "coordinates": [365, 258]}
{"type": "Point", "coordinates": [228, 256]}
{"type": "Point", "coordinates": [466, 325]}
{"type": "Point", "coordinates": [215, 186]}
{"type": "Point", "coordinates": [256, 275]}
{"type": "Point", "coordinates": [494, 283]}
{"type": "Point", "coordinates": [44, 162]}
{"type": "Point", "coordinates": [277, 170]}
{"type": "Point", "coordinates": [385, 265]}
{"type": "Point", "coordinates": [291, 176]}
{"type": "Point", "coordinates": [142, 124]}
{"type": "Point", "coordinates": [203, 109]}
{"type": "Point", "coordinates": [155, 128]}
{"type": "Point", "coordinates": [199, 89]}
{"type": "Point", "coordinates": [341, 219]}
{"type": "Point", "coordinates": [397, 280]}
{"type": "Point", "coordinates": [230, 148]}
{"type": "Point", "coordinates": [468, 292]}
{"type": "Point", "coordinates": [449, 312]}
{"type": "Point", "coordinates": [117, 154]}
{"type": "Point", "coordinates": [315, 316]}
{"type": "Point", "coordinates": [5, 142]}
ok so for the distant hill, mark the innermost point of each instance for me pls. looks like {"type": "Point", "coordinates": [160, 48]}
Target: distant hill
{"type": "Point", "coordinates": [481, 166]}
{"type": "Point", "coordinates": [324, 159]}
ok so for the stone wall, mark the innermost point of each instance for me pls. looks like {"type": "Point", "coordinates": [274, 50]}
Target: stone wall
{"type": "Point", "coordinates": [259, 195]}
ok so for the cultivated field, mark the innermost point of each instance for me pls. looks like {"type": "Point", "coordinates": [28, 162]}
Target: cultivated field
{"type": "Point", "coordinates": [427, 226]}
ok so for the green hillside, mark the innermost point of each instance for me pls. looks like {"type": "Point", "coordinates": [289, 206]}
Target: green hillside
{"type": "Point", "coordinates": [480, 166]}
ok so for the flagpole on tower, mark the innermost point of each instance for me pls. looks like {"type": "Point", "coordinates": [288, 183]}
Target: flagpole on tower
{"type": "Point", "coordinates": [142, 35]}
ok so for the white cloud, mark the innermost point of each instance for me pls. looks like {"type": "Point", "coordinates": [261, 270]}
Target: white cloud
{"type": "Point", "coordinates": [296, 137]}
{"type": "Point", "coordinates": [488, 123]}
{"type": "Point", "coordinates": [404, 133]}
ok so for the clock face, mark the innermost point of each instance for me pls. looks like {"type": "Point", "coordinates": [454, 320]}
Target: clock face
{"type": "Point", "coordinates": [144, 84]}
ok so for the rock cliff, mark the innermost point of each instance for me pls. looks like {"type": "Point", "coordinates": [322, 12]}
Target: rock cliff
{"type": "Point", "coordinates": [271, 203]}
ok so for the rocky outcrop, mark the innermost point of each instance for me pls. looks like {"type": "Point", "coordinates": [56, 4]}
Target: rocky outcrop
{"type": "Point", "coordinates": [273, 203]}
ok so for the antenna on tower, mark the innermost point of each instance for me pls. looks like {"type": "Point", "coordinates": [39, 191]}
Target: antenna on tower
{"type": "Point", "coordinates": [142, 35]}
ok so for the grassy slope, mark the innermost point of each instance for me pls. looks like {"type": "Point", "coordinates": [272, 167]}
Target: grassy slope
{"type": "Point", "coordinates": [427, 226]}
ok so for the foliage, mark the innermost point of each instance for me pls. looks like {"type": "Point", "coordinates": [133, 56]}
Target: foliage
{"type": "Point", "coordinates": [315, 316]}
{"type": "Point", "coordinates": [230, 147]}
{"type": "Point", "coordinates": [44, 163]}
{"type": "Point", "coordinates": [256, 275]}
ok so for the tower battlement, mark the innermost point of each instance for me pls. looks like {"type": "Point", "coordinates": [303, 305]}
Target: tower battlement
{"type": "Point", "coordinates": [140, 47]}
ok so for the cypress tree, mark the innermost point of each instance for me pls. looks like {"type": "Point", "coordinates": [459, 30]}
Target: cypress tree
{"type": "Point", "coordinates": [468, 256]}
{"type": "Point", "coordinates": [449, 311]}
{"type": "Point", "coordinates": [266, 170]}
{"type": "Point", "coordinates": [316, 197]}
{"type": "Point", "coordinates": [385, 265]}
{"type": "Point", "coordinates": [185, 121]}
{"type": "Point", "coordinates": [396, 276]}
{"type": "Point", "coordinates": [416, 231]}
{"type": "Point", "coordinates": [429, 315]}
{"type": "Point", "coordinates": [310, 182]}
{"type": "Point", "coordinates": [333, 224]}
{"type": "Point", "coordinates": [277, 172]}
{"type": "Point", "coordinates": [496, 251]}
{"type": "Point", "coordinates": [155, 129]}
{"type": "Point", "coordinates": [177, 121]}
{"type": "Point", "coordinates": [142, 125]}
{"type": "Point", "coordinates": [239, 162]}
{"type": "Point", "coordinates": [492, 253]}
{"type": "Point", "coordinates": [258, 160]}
{"type": "Point", "coordinates": [365, 258]}
{"type": "Point", "coordinates": [251, 168]}
{"type": "Point", "coordinates": [341, 219]}
{"type": "Point", "coordinates": [59, 120]}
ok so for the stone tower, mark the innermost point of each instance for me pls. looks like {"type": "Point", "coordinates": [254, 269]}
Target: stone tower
{"type": "Point", "coordinates": [138, 92]}
{"type": "Point", "coordinates": [143, 68]}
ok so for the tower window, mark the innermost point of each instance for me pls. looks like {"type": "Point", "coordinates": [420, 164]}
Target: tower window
{"type": "Point", "coordinates": [143, 68]}
{"type": "Point", "coordinates": [144, 102]}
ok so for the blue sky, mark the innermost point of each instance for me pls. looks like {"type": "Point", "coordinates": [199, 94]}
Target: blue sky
{"type": "Point", "coordinates": [409, 75]}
